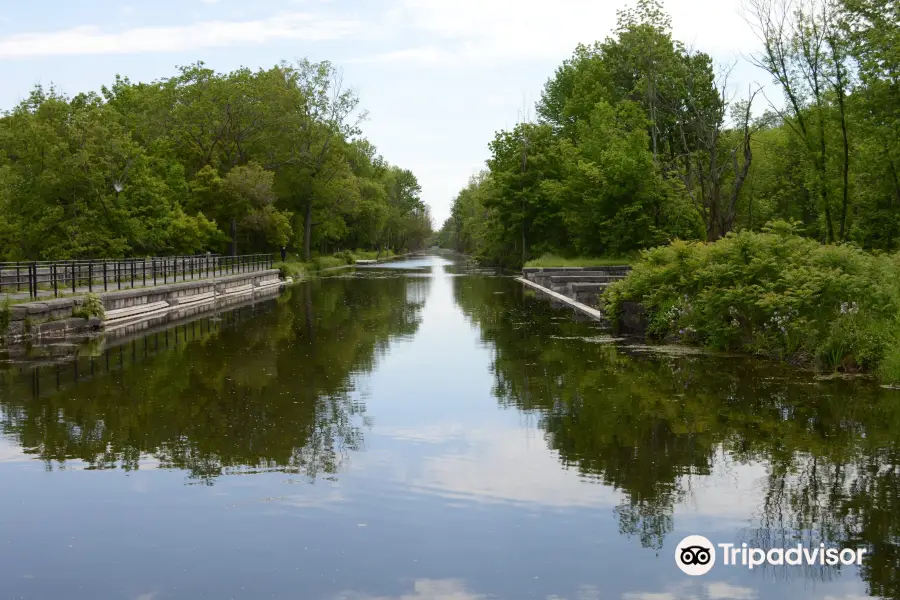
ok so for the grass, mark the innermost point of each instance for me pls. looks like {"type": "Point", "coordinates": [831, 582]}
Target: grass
{"type": "Point", "coordinates": [291, 268]}
{"type": "Point", "coordinates": [321, 263]}
{"type": "Point", "coordinates": [372, 254]}
{"type": "Point", "coordinates": [296, 268]}
{"type": "Point", "coordinates": [551, 260]}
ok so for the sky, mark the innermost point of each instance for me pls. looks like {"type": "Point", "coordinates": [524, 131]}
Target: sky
{"type": "Point", "coordinates": [437, 77]}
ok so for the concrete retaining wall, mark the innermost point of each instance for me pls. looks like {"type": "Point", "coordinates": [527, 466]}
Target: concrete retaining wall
{"type": "Point", "coordinates": [53, 318]}
{"type": "Point", "coordinates": [582, 284]}
{"type": "Point", "coordinates": [176, 291]}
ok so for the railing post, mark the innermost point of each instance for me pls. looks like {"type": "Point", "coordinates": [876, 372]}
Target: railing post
{"type": "Point", "coordinates": [18, 278]}
{"type": "Point", "coordinates": [183, 269]}
{"type": "Point", "coordinates": [90, 276]}
{"type": "Point", "coordinates": [119, 273]}
{"type": "Point", "coordinates": [132, 273]}
{"type": "Point", "coordinates": [105, 288]}
{"type": "Point", "coordinates": [153, 261]}
{"type": "Point", "coordinates": [32, 279]}
{"type": "Point", "coordinates": [53, 275]}
{"type": "Point", "coordinates": [144, 270]}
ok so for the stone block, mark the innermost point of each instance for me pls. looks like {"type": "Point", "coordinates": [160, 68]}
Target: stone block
{"type": "Point", "coordinates": [60, 313]}
{"type": "Point", "coordinates": [37, 308]}
{"type": "Point", "coordinates": [52, 327]}
{"type": "Point", "coordinates": [58, 303]}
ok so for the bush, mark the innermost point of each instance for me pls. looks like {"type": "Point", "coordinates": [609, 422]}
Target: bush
{"type": "Point", "coordinates": [90, 306]}
{"type": "Point", "coordinates": [290, 269]}
{"type": "Point", "coordinates": [346, 256]}
{"type": "Point", "coordinates": [773, 293]}
{"type": "Point", "coordinates": [326, 262]}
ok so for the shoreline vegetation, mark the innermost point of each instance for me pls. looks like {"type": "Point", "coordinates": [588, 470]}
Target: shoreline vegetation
{"type": "Point", "coordinates": [752, 223]}
{"type": "Point", "coordinates": [552, 260]}
{"type": "Point", "coordinates": [296, 267]}
{"type": "Point", "coordinates": [775, 294]}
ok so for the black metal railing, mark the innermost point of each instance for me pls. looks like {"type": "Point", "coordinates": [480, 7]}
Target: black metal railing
{"type": "Point", "coordinates": [46, 278]}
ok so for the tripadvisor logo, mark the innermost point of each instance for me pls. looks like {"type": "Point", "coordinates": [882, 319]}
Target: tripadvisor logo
{"type": "Point", "coordinates": [696, 555]}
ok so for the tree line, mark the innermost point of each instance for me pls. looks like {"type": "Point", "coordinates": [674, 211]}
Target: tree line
{"type": "Point", "coordinates": [640, 140]}
{"type": "Point", "coordinates": [246, 161]}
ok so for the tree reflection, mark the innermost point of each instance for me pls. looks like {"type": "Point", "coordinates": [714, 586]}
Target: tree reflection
{"type": "Point", "coordinates": [276, 392]}
{"type": "Point", "coordinates": [651, 425]}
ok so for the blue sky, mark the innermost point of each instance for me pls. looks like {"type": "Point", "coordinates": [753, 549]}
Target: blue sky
{"type": "Point", "coordinates": [438, 77]}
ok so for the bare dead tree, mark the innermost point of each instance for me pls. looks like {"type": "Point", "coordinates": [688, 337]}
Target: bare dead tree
{"type": "Point", "coordinates": [706, 161]}
{"type": "Point", "coordinates": [840, 76]}
{"type": "Point", "coordinates": [794, 35]}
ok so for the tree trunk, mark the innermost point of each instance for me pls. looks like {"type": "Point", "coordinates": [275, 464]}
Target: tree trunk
{"type": "Point", "coordinates": [307, 230]}
{"type": "Point", "coordinates": [846, 183]}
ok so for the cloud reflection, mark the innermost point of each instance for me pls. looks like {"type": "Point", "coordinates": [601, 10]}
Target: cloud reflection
{"type": "Point", "coordinates": [423, 589]}
{"type": "Point", "coordinates": [714, 590]}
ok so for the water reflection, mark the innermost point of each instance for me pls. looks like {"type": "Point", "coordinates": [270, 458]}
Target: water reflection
{"type": "Point", "coordinates": [658, 427]}
{"type": "Point", "coordinates": [423, 431]}
{"type": "Point", "coordinates": [275, 392]}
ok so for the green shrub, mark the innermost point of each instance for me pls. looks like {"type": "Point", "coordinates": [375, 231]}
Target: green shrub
{"type": "Point", "coordinates": [90, 306]}
{"type": "Point", "coordinates": [346, 256]}
{"type": "Point", "coordinates": [372, 254]}
{"type": "Point", "coordinates": [294, 270]}
{"type": "Point", "coordinates": [773, 293]}
{"type": "Point", "coordinates": [326, 262]}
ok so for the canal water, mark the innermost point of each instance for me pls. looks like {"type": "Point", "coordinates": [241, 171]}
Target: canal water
{"type": "Point", "coordinates": [422, 431]}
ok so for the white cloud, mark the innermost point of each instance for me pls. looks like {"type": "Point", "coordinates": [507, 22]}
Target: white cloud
{"type": "Point", "coordinates": [93, 40]}
{"type": "Point", "coordinates": [423, 589]}
{"type": "Point", "coordinates": [715, 590]}
{"type": "Point", "coordinates": [649, 596]}
{"type": "Point", "coordinates": [719, 590]}
{"type": "Point", "coordinates": [499, 466]}
{"type": "Point", "coordinates": [474, 32]}
{"type": "Point", "coordinates": [11, 452]}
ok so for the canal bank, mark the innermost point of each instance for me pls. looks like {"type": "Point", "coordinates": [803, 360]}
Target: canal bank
{"type": "Point", "coordinates": [59, 318]}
